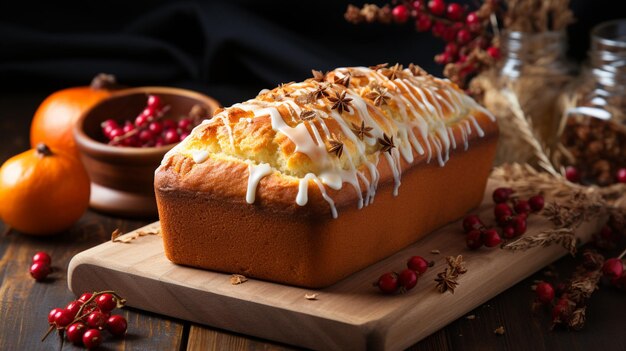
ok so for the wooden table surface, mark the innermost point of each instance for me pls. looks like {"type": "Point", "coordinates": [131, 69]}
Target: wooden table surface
{"type": "Point", "coordinates": [24, 303]}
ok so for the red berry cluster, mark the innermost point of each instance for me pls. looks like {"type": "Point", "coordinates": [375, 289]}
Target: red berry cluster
{"type": "Point", "coordinates": [511, 220]}
{"type": "Point", "coordinates": [392, 282]}
{"type": "Point", "coordinates": [41, 266]}
{"type": "Point", "coordinates": [614, 270]}
{"type": "Point", "coordinates": [83, 320]}
{"type": "Point", "coordinates": [573, 175]}
{"type": "Point", "coordinates": [149, 129]}
{"type": "Point", "coordinates": [463, 31]}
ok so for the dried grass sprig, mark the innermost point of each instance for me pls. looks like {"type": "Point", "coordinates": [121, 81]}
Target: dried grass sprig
{"type": "Point", "coordinates": [562, 236]}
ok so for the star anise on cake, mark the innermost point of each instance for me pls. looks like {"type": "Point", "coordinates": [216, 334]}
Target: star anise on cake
{"type": "Point", "coordinates": [379, 66]}
{"type": "Point", "coordinates": [345, 80]}
{"type": "Point", "coordinates": [378, 95]}
{"type": "Point", "coordinates": [362, 130]}
{"type": "Point", "coordinates": [386, 143]}
{"type": "Point", "coordinates": [340, 102]}
{"type": "Point", "coordinates": [307, 115]}
{"type": "Point", "coordinates": [393, 72]}
{"type": "Point", "coordinates": [320, 91]}
{"type": "Point", "coordinates": [318, 76]}
{"type": "Point", "coordinates": [336, 146]}
{"type": "Point", "coordinates": [417, 70]}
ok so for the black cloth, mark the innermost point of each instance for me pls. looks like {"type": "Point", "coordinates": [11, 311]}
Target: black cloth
{"type": "Point", "coordinates": [227, 49]}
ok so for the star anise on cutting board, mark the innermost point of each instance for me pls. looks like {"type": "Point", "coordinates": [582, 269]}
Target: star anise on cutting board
{"type": "Point", "coordinates": [336, 146]}
{"type": "Point", "coordinates": [362, 130]}
{"type": "Point", "coordinates": [340, 102]}
{"type": "Point", "coordinates": [448, 279]}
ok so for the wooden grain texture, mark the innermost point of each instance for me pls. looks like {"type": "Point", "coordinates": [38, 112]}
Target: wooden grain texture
{"type": "Point", "coordinates": [349, 314]}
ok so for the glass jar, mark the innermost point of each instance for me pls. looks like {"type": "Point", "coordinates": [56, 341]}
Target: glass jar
{"type": "Point", "coordinates": [535, 70]}
{"type": "Point", "coordinates": [593, 130]}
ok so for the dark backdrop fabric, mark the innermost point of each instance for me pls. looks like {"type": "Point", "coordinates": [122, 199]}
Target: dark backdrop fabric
{"type": "Point", "coordinates": [227, 49]}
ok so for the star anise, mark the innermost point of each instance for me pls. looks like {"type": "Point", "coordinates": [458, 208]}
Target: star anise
{"type": "Point", "coordinates": [456, 263]}
{"type": "Point", "coordinates": [386, 143]}
{"type": "Point", "coordinates": [320, 92]}
{"type": "Point", "coordinates": [340, 102]}
{"type": "Point", "coordinates": [378, 95]}
{"type": "Point", "coordinates": [345, 80]}
{"type": "Point", "coordinates": [336, 146]}
{"type": "Point", "coordinates": [446, 281]}
{"type": "Point", "coordinates": [417, 70]}
{"type": "Point", "coordinates": [379, 66]}
{"type": "Point", "coordinates": [318, 76]}
{"type": "Point", "coordinates": [393, 72]}
{"type": "Point", "coordinates": [307, 115]}
{"type": "Point", "coordinates": [362, 130]}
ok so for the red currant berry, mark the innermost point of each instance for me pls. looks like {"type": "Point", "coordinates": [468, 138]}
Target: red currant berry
{"type": "Point", "coordinates": [42, 257]}
{"type": "Point", "coordinates": [472, 222]}
{"type": "Point", "coordinates": [613, 268]}
{"type": "Point", "coordinates": [423, 23]}
{"type": "Point", "coordinates": [40, 271]}
{"type": "Point", "coordinates": [491, 238]}
{"type": "Point", "coordinates": [418, 5]}
{"type": "Point", "coordinates": [418, 264]}
{"type": "Point", "coordinates": [474, 239]}
{"type": "Point", "coordinates": [522, 206]}
{"type": "Point", "coordinates": [449, 35]}
{"type": "Point", "coordinates": [63, 318]}
{"type": "Point", "coordinates": [561, 311]}
{"type": "Point", "coordinates": [109, 123]}
{"type": "Point", "coordinates": [452, 49]}
{"type": "Point", "coordinates": [572, 174]}
{"type": "Point", "coordinates": [502, 210]}
{"type": "Point", "coordinates": [92, 338]}
{"type": "Point", "coordinates": [454, 11]}
{"type": "Point", "coordinates": [494, 52]}
{"type": "Point", "coordinates": [116, 325]}
{"type": "Point", "coordinates": [438, 29]}
{"type": "Point", "coordinates": [519, 225]}
{"type": "Point", "coordinates": [545, 292]}
{"type": "Point", "coordinates": [621, 175]}
{"type": "Point", "coordinates": [472, 19]}
{"type": "Point", "coordinates": [185, 124]}
{"type": "Point", "coordinates": [171, 136]}
{"type": "Point", "coordinates": [443, 58]}
{"type": "Point", "coordinates": [159, 142]}
{"type": "Point", "coordinates": [156, 128]}
{"type": "Point", "coordinates": [154, 101]}
{"type": "Point", "coordinates": [388, 283]}
{"type": "Point", "coordinates": [145, 135]}
{"type": "Point", "coordinates": [96, 319]}
{"type": "Point", "coordinates": [437, 7]}
{"type": "Point", "coordinates": [52, 315]}
{"type": "Point", "coordinates": [536, 203]}
{"type": "Point", "coordinates": [85, 297]}
{"type": "Point", "coordinates": [169, 124]}
{"type": "Point", "coordinates": [106, 302]}
{"type": "Point", "coordinates": [128, 127]}
{"type": "Point", "coordinates": [141, 120]}
{"type": "Point", "coordinates": [75, 332]}
{"type": "Point", "coordinates": [117, 132]}
{"type": "Point", "coordinates": [74, 306]}
{"type": "Point", "coordinates": [463, 36]}
{"type": "Point", "coordinates": [400, 13]}
{"type": "Point", "coordinates": [501, 195]}
{"type": "Point", "coordinates": [508, 232]}
{"type": "Point", "coordinates": [407, 279]}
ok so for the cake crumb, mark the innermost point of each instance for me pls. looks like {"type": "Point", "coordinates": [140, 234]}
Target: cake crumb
{"type": "Point", "coordinates": [470, 317]}
{"type": "Point", "coordinates": [499, 330]}
{"type": "Point", "coordinates": [435, 252]}
{"type": "Point", "coordinates": [310, 296]}
{"type": "Point", "coordinates": [237, 279]}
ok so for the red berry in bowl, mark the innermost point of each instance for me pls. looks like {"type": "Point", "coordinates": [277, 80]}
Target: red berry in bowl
{"type": "Point", "coordinates": [141, 120]}
{"type": "Point", "coordinates": [522, 206]}
{"type": "Point", "coordinates": [154, 101]}
{"type": "Point", "coordinates": [502, 210]}
{"type": "Point", "coordinates": [437, 7]}
{"type": "Point", "coordinates": [75, 332]}
{"type": "Point", "coordinates": [117, 325]}
{"type": "Point", "coordinates": [388, 283]}
{"type": "Point", "coordinates": [145, 135]}
{"type": "Point", "coordinates": [536, 203]}
{"type": "Point", "coordinates": [63, 318]}
{"type": "Point", "coordinates": [92, 338]}
{"type": "Point", "coordinates": [155, 127]}
{"type": "Point", "coordinates": [491, 238]}
{"type": "Point", "coordinates": [474, 239]}
{"type": "Point", "coordinates": [472, 222]}
{"type": "Point", "coordinates": [621, 175]}
{"type": "Point", "coordinates": [572, 174]}
{"type": "Point", "coordinates": [96, 319]}
{"type": "Point", "coordinates": [501, 195]}
{"type": "Point", "coordinates": [42, 257]}
{"type": "Point", "coordinates": [400, 13]}
{"type": "Point", "coordinates": [407, 279]}
{"type": "Point", "coordinates": [454, 11]}
{"type": "Point", "coordinates": [171, 136]}
{"type": "Point", "coordinates": [106, 302]}
{"type": "Point", "coordinates": [613, 268]}
{"type": "Point", "coordinates": [545, 292]}
{"type": "Point", "coordinates": [418, 264]}
{"type": "Point", "coordinates": [40, 271]}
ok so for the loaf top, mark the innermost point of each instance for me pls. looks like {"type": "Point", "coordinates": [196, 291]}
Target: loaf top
{"type": "Point", "coordinates": [330, 130]}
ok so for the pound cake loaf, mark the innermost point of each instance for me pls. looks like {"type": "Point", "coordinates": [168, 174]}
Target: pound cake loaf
{"type": "Point", "coordinates": [310, 182]}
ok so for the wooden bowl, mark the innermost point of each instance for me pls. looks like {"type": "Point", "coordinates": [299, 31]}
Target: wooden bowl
{"type": "Point", "coordinates": [122, 178]}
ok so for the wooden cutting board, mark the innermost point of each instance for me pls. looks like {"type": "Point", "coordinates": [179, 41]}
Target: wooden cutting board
{"type": "Point", "coordinates": [350, 315]}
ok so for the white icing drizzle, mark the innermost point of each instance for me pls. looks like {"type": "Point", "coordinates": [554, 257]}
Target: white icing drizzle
{"type": "Point", "coordinates": [257, 172]}
{"type": "Point", "coordinates": [419, 104]}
